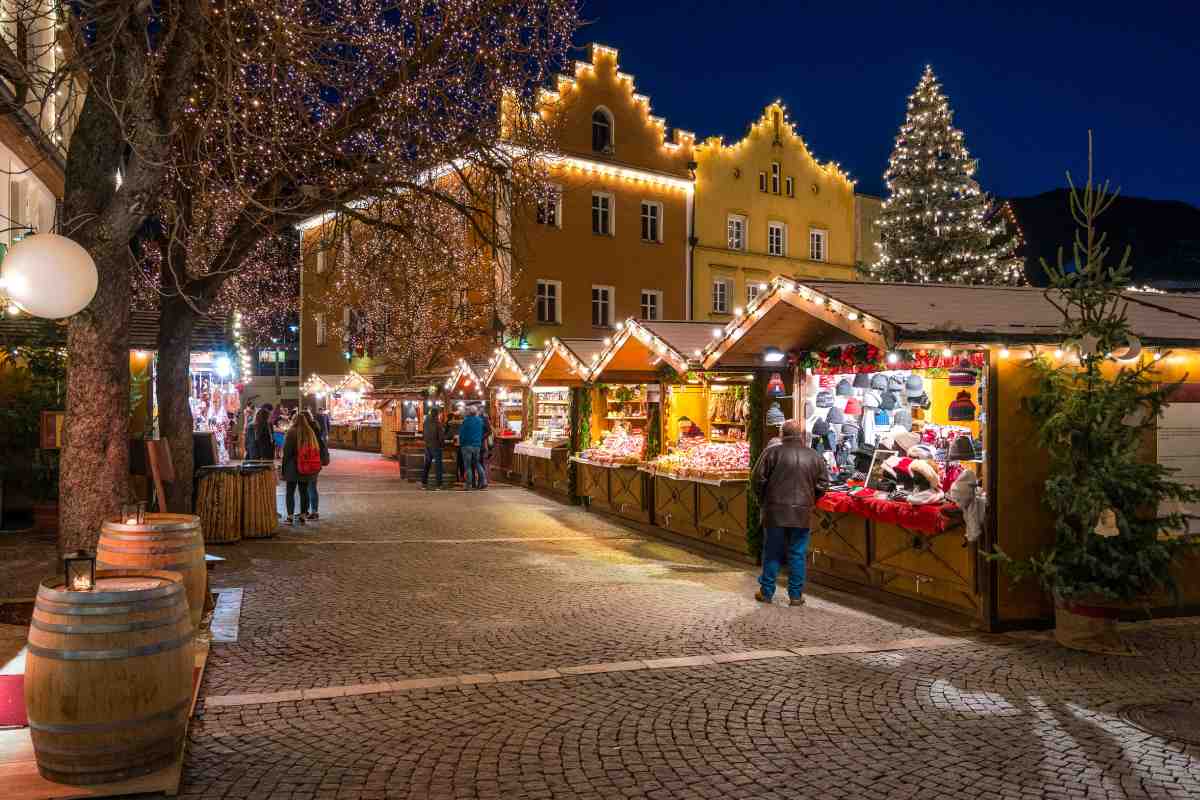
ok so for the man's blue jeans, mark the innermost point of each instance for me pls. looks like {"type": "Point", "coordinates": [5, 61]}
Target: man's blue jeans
{"type": "Point", "coordinates": [433, 457]}
{"type": "Point", "coordinates": [779, 543]}
{"type": "Point", "coordinates": [470, 465]}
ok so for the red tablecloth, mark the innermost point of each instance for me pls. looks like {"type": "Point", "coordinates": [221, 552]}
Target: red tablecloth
{"type": "Point", "coordinates": [920, 519]}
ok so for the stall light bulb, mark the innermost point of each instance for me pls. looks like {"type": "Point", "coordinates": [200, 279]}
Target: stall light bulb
{"type": "Point", "coordinates": [853, 315]}
{"type": "Point", "coordinates": [1004, 352]}
{"type": "Point", "coordinates": [1058, 353]}
{"type": "Point", "coordinates": [892, 358]}
{"type": "Point", "coordinates": [946, 352]}
{"type": "Point", "coordinates": [737, 312]}
{"type": "Point", "coordinates": [717, 333]}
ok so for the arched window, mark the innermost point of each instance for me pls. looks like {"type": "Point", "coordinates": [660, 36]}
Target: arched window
{"type": "Point", "coordinates": [602, 131]}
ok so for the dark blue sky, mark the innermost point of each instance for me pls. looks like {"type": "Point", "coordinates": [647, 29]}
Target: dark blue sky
{"type": "Point", "coordinates": [1025, 82]}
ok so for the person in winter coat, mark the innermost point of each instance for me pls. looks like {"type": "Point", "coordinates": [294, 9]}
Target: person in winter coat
{"type": "Point", "coordinates": [470, 440]}
{"type": "Point", "coordinates": [485, 449]}
{"type": "Point", "coordinates": [314, 498]}
{"type": "Point", "coordinates": [301, 461]}
{"type": "Point", "coordinates": [262, 437]}
{"type": "Point", "coordinates": [435, 439]}
{"type": "Point", "coordinates": [789, 478]}
{"type": "Point", "coordinates": [248, 432]}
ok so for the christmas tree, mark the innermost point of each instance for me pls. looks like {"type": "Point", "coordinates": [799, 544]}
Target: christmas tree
{"type": "Point", "coordinates": [937, 226]}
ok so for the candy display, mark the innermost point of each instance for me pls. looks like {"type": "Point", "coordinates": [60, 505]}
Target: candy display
{"type": "Point", "coordinates": [711, 460]}
{"type": "Point", "coordinates": [618, 446]}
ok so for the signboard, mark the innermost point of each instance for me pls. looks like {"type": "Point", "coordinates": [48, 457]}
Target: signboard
{"type": "Point", "coordinates": [50, 435]}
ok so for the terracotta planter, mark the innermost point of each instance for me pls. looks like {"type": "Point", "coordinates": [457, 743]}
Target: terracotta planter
{"type": "Point", "coordinates": [1089, 626]}
{"type": "Point", "coordinates": [45, 518]}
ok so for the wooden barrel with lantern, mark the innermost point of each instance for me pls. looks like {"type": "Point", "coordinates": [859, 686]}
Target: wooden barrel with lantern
{"type": "Point", "coordinates": [161, 542]}
{"type": "Point", "coordinates": [108, 676]}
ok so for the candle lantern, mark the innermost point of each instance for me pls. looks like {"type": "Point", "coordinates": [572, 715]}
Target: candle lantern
{"type": "Point", "coordinates": [80, 570]}
{"type": "Point", "coordinates": [134, 513]}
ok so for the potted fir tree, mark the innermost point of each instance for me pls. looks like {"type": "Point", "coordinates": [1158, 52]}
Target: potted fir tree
{"type": "Point", "coordinates": [1118, 516]}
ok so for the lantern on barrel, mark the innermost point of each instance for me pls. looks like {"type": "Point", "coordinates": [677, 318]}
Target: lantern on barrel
{"type": "Point", "coordinates": [134, 513]}
{"type": "Point", "coordinates": [80, 571]}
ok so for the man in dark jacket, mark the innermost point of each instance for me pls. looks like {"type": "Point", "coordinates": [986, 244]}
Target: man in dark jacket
{"type": "Point", "coordinates": [789, 478]}
{"type": "Point", "coordinates": [435, 440]}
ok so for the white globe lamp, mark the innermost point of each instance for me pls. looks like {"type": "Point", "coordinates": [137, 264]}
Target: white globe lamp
{"type": "Point", "coordinates": [49, 276]}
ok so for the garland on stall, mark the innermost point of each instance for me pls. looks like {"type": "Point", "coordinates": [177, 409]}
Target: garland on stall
{"type": "Point", "coordinates": [869, 358]}
{"type": "Point", "coordinates": [581, 434]}
{"type": "Point", "coordinates": [755, 433]}
{"type": "Point", "coordinates": [654, 431]}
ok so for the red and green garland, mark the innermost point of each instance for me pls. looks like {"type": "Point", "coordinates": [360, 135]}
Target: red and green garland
{"type": "Point", "coordinates": [869, 358]}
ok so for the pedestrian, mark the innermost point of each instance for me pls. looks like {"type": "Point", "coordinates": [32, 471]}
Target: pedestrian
{"type": "Point", "coordinates": [279, 425]}
{"type": "Point", "coordinates": [301, 461]}
{"type": "Point", "coordinates": [262, 436]}
{"type": "Point", "coordinates": [485, 450]}
{"type": "Point", "coordinates": [788, 479]}
{"type": "Point", "coordinates": [470, 439]}
{"type": "Point", "coordinates": [248, 432]}
{"type": "Point", "coordinates": [314, 498]}
{"type": "Point", "coordinates": [435, 440]}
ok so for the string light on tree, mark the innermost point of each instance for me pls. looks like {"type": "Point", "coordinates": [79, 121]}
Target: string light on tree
{"type": "Point", "coordinates": [937, 225]}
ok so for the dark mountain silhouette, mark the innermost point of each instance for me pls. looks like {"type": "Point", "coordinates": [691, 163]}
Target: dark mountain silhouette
{"type": "Point", "coordinates": [1164, 237]}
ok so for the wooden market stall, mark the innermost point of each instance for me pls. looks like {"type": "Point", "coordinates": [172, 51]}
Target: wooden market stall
{"type": "Point", "coordinates": [911, 387]}
{"type": "Point", "coordinates": [401, 412]}
{"type": "Point", "coordinates": [558, 382]}
{"type": "Point", "coordinates": [355, 422]}
{"type": "Point", "coordinates": [508, 401]}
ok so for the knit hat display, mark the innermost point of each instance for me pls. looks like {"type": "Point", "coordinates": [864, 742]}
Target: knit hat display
{"type": "Point", "coordinates": [903, 418]}
{"type": "Point", "coordinates": [826, 381]}
{"type": "Point", "coordinates": [925, 474]}
{"type": "Point", "coordinates": [775, 415]}
{"type": "Point", "coordinates": [881, 417]}
{"type": "Point", "coordinates": [862, 381]}
{"type": "Point", "coordinates": [824, 399]}
{"type": "Point", "coordinates": [961, 408]}
{"type": "Point", "coordinates": [844, 389]}
{"type": "Point", "coordinates": [920, 401]}
{"type": "Point", "coordinates": [853, 407]}
{"type": "Point", "coordinates": [820, 428]}
{"type": "Point", "coordinates": [775, 387]}
{"type": "Point", "coordinates": [836, 416]}
{"type": "Point", "coordinates": [914, 386]}
{"type": "Point", "coordinates": [810, 408]}
{"type": "Point", "coordinates": [963, 374]}
{"type": "Point", "coordinates": [895, 383]}
{"type": "Point", "coordinates": [888, 401]}
{"type": "Point", "coordinates": [926, 497]}
{"type": "Point", "coordinates": [879, 381]}
{"type": "Point", "coordinates": [920, 451]}
{"type": "Point", "coordinates": [962, 449]}
{"type": "Point", "coordinates": [871, 399]}
{"type": "Point", "coordinates": [906, 440]}
{"type": "Point", "coordinates": [851, 427]}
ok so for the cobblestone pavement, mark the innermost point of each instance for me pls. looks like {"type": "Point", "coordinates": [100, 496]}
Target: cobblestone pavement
{"type": "Point", "coordinates": [394, 584]}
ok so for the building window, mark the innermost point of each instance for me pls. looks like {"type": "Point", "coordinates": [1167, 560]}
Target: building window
{"type": "Point", "coordinates": [753, 290]}
{"type": "Point", "coordinates": [790, 183]}
{"type": "Point", "coordinates": [549, 208]}
{"type": "Point", "coordinates": [320, 261]}
{"type": "Point", "coordinates": [762, 181]}
{"type": "Point", "coordinates": [817, 245]}
{"type": "Point", "coordinates": [736, 232]}
{"type": "Point", "coordinates": [776, 239]}
{"type": "Point", "coordinates": [602, 221]}
{"type": "Point", "coordinates": [322, 330]}
{"type": "Point", "coordinates": [602, 130]}
{"type": "Point", "coordinates": [651, 221]}
{"type": "Point", "coordinates": [549, 301]}
{"type": "Point", "coordinates": [775, 177]}
{"type": "Point", "coordinates": [651, 304]}
{"type": "Point", "coordinates": [602, 306]}
{"type": "Point", "coordinates": [721, 289]}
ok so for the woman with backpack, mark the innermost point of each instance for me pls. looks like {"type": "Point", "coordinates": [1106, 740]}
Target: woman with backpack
{"type": "Point", "coordinates": [314, 498]}
{"type": "Point", "coordinates": [301, 462]}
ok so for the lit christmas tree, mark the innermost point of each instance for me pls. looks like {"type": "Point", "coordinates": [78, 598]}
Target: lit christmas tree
{"type": "Point", "coordinates": [937, 226]}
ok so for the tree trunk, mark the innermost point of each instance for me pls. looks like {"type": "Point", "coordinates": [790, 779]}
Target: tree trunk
{"type": "Point", "coordinates": [174, 388]}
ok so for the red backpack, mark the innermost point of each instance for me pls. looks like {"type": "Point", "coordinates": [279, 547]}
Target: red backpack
{"type": "Point", "coordinates": [308, 459]}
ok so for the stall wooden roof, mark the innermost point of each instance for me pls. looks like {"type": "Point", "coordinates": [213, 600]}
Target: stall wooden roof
{"type": "Point", "coordinates": [464, 380]}
{"type": "Point", "coordinates": [893, 314]}
{"type": "Point", "coordinates": [315, 384]}
{"type": "Point", "coordinates": [565, 361]}
{"type": "Point", "coordinates": [638, 349]}
{"type": "Point", "coordinates": [353, 382]}
{"type": "Point", "coordinates": [510, 365]}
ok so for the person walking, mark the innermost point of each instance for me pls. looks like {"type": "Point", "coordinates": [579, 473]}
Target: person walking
{"type": "Point", "coordinates": [248, 432]}
{"type": "Point", "coordinates": [485, 449]}
{"type": "Point", "coordinates": [788, 479]}
{"type": "Point", "coordinates": [470, 439]}
{"type": "Point", "coordinates": [301, 461]}
{"type": "Point", "coordinates": [262, 436]}
{"type": "Point", "coordinates": [314, 498]}
{"type": "Point", "coordinates": [435, 440]}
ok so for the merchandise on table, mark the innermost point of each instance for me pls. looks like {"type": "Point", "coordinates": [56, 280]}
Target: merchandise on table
{"type": "Point", "coordinates": [619, 446]}
{"type": "Point", "coordinates": [510, 412]}
{"type": "Point", "coordinates": [551, 416]}
{"type": "Point", "coordinates": [712, 460]}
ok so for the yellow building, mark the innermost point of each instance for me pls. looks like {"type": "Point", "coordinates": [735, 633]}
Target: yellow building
{"type": "Point", "coordinates": [766, 207]}
{"type": "Point", "coordinates": [612, 241]}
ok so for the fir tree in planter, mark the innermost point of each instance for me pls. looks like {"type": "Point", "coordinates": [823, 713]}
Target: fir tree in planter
{"type": "Point", "coordinates": [1115, 513]}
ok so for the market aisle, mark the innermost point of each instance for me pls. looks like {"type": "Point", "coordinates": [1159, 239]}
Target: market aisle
{"type": "Point", "coordinates": [508, 594]}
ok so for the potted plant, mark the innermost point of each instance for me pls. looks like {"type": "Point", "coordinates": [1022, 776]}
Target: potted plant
{"type": "Point", "coordinates": [1118, 517]}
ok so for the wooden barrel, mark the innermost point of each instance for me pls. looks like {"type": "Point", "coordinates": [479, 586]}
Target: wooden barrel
{"type": "Point", "coordinates": [164, 542]}
{"type": "Point", "coordinates": [219, 504]}
{"type": "Point", "coordinates": [108, 676]}
{"type": "Point", "coordinates": [259, 517]}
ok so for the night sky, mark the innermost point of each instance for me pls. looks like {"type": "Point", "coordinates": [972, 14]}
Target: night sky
{"type": "Point", "coordinates": [1025, 82]}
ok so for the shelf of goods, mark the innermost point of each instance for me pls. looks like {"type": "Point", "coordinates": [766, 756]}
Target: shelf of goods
{"type": "Point", "coordinates": [542, 459]}
{"type": "Point", "coordinates": [510, 419]}
{"type": "Point", "coordinates": [700, 491]}
{"type": "Point", "coordinates": [610, 478]}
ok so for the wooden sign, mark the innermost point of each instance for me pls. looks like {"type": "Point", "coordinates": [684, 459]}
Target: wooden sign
{"type": "Point", "coordinates": [162, 470]}
{"type": "Point", "coordinates": [50, 436]}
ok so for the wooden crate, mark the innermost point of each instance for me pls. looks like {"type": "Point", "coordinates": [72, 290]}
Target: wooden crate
{"type": "Point", "coordinates": [675, 505]}
{"type": "Point", "coordinates": [934, 568]}
{"type": "Point", "coordinates": [630, 493]}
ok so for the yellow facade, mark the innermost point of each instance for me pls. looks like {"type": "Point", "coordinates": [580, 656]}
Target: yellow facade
{"type": "Point", "coordinates": [641, 165]}
{"type": "Point", "coordinates": [768, 179]}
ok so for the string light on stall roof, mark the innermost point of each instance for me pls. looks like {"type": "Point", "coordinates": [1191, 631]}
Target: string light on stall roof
{"type": "Point", "coordinates": [1004, 352]}
{"type": "Point", "coordinates": [893, 358]}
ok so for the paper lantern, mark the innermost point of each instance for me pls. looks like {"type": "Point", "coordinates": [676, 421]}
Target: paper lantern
{"type": "Point", "coordinates": [49, 276]}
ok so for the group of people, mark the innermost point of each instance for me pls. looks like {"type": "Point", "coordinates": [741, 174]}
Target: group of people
{"type": "Point", "coordinates": [302, 449]}
{"type": "Point", "coordinates": [475, 441]}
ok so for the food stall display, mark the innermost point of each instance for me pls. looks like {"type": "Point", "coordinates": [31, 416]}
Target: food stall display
{"type": "Point", "coordinates": [354, 419]}
{"type": "Point", "coordinates": [215, 401]}
{"type": "Point", "coordinates": [551, 416]}
{"type": "Point", "coordinates": [696, 458]}
{"type": "Point", "coordinates": [619, 445]}
{"type": "Point", "coordinates": [509, 401]}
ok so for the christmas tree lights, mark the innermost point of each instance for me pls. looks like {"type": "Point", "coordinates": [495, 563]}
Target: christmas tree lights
{"type": "Point", "coordinates": [937, 225]}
